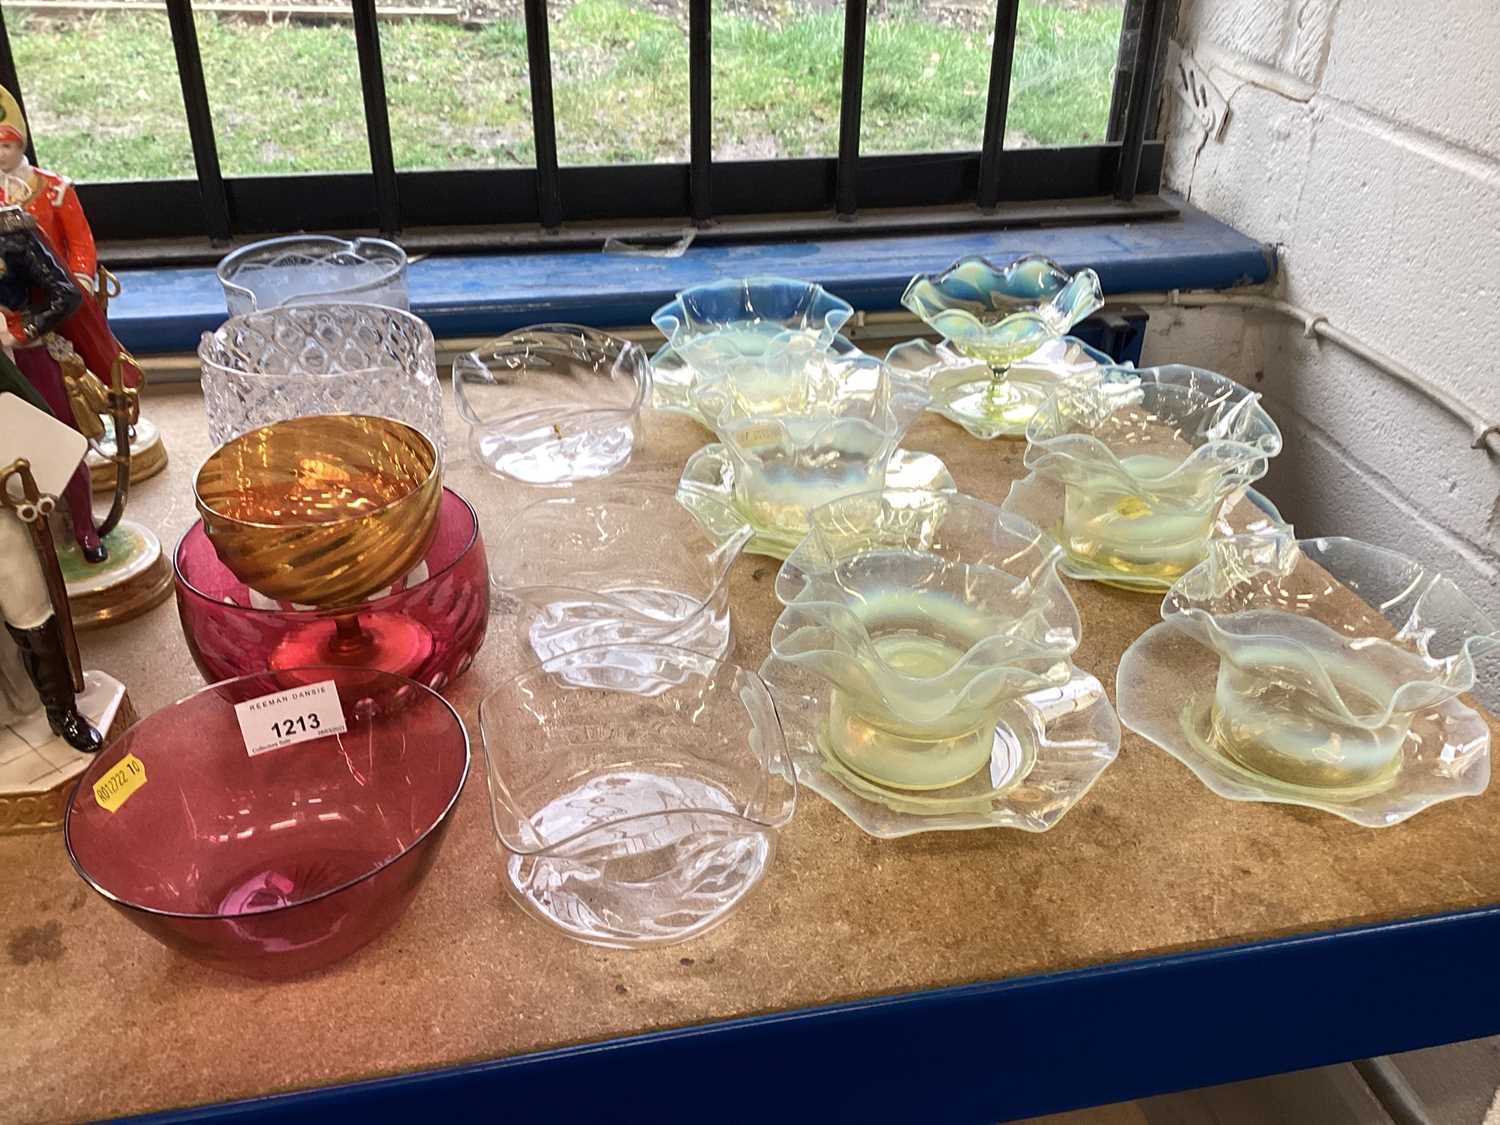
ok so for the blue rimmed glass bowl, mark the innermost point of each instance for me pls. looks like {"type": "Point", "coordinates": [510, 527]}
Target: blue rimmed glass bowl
{"type": "Point", "coordinates": [729, 325]}
{"type": "Point", "coordinates": [1001, 314]}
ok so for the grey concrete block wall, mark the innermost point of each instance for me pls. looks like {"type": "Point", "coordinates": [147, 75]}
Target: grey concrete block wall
{"type": "Point", "coordinates": [1364, 142]}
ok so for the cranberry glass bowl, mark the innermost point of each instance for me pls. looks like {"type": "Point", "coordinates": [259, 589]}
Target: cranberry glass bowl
{"type": "Point", "coordinates": [281, 863]}
{"type": "Point", "coordinates": [427, 626]}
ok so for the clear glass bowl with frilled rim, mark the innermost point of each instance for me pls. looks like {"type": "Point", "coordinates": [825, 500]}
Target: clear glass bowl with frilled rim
{"type": "Point", "coordinates": [733, 321]}
{"type": "Point", "coordinates": [637, 790]}
{"type": "Point", "coordinates": [1132, 469]}
{"type": "Point", "coordinates": [1323, 672]}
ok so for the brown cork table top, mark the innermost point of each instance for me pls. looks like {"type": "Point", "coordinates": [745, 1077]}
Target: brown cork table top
{"type": "Point", "coordinates": [96, 1018]}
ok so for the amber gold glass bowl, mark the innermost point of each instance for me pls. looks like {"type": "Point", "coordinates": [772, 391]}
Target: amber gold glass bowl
{"type": "Point", "coordinates": [321, 510]}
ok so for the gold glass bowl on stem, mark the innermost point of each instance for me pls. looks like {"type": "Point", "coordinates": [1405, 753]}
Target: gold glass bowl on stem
{"type": "Point", "coordinates": [321, 510]}
{"type": "Point", "coordinates": [325, 511]}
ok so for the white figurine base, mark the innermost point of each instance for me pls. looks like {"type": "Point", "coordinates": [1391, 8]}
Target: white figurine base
{"type": "Point", "coordinates": [37, 768]}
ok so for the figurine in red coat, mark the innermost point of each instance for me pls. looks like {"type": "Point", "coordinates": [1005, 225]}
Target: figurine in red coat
{"type": "Point", "coordinates": [53, 203]}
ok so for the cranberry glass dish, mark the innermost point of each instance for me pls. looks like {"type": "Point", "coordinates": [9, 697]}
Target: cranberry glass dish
{"type": "Point", "coordinates": [427, 626]}
{"type": "Point", "coordinates": [279, 863]}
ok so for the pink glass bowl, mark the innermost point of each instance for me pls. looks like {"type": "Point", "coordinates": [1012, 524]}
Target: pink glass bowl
{"type": "Point", "coordinates": [427, 627]}
{"type": "Point", "coordinates": [279, 864]}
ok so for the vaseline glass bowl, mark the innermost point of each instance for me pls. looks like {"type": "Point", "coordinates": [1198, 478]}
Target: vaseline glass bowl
{"type": "Point", "coordinates": [1326, 674]}
{"type": "Point", "coordinates": [986, 403]}
{"type": "Point", "coordinates": [1147, 461]}
{"type": "Point", "coordinates": [554, 403]}
{"type": "Point", "coordinates": [1003, 313]}
{"type": "Point", "coordinates": [728, 325]}
{"type": "Point", "coordinates": [281, 863]}
{"type": "Point", "coordinates": [926, 614]}
{"type": "Point", "coordinates": [314, 269]}
{"type": "Point", "coordinates": [331, 358]}
{"type": "Point", "coordinates": [637, 790]}
{"type": "Point", "coordinates": [427, 625]}
{"type": "Point", "coordinates": [802, 428]}
{"type": "Point", "coordinates": [621, 562]}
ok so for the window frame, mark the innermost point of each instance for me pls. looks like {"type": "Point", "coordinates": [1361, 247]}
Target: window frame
{"type": "Point", "coordinates": [540, 205]}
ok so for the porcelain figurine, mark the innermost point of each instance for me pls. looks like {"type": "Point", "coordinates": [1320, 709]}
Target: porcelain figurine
{"type": "Point", "coordinates": [33, 599]}
{"type": "Point", "coordinates": [82, 371]}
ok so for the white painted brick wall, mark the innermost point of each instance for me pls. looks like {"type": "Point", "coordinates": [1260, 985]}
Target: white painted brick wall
{"type": "Point", "coordinates": [1364, 142]}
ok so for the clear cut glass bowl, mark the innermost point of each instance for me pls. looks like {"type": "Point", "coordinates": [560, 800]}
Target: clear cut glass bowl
{"type": "Point", "coordinates": [990, 404]}
{"type": "Point", "coordinates": [1003, 313]}
{"type": "Point", "coordinates": [637, 790]}
{"type": "Point", "coordinates": [280, 863]}
{"type": "Point", "coordinates": [926, 615]}
{"type": "Point", "coordinates": [621, 562]}
{"type": "Point", "coordinates": [314, 269]}
{"type": "Point", "coordinates": [731, 323]}
{"type": "Point", "coordinates": [553, 403]}
{"type": "Point", "coordinates": [803, 427]}
{"type": "Point", "coordinates": [1322, 672]}
{"type": "Point", "coordinates": [1146, 462]}
{"type": "Point", "coordinates": [343, 358]}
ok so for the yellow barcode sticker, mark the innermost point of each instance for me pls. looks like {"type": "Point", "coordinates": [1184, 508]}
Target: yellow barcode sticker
{"type": "Point", "coordinates": [114, 788]}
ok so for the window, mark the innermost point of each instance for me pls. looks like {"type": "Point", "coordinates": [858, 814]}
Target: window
{"type": "Point", "coordinates": [538, 125]}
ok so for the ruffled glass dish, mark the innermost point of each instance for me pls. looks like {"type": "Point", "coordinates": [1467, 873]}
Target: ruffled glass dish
{"type": "Point", "coordinates": [427, 626]}
{"type": "Point", "coordinates": [314, 269]}
{"type": "Point", "coordinates": [1003, 313]}
{"type": "Point", "coordinates": [279, 863]}
{"type": "Point", "coordinates": [799, 429]}
{"type": "Point", "coordinates": [1132, 470]}
{"type": "Point", "coordinates": [920, 621]}
{"type": "Point", "coordinates": [986, 403]}
{"type": "Point", "coordinates": [622, 562]}
{"type": "Point", "coordinates": [729, 325]}
{"type": "Point", "coordinates": [1336, 680]}
{"type": "Point", "coordinates": [343, 358]}
{"type": "Point", "coordinates": [637, 790]}
{"type": "Point", "coordinates": [554, 403]}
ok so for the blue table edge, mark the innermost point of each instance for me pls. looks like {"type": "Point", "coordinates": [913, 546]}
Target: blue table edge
{"type": "Point", "coordinates": [989, 1051]}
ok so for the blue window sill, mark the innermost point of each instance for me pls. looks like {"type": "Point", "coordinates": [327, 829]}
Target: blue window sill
{"type": "Point", "coordinates": [165, 310]}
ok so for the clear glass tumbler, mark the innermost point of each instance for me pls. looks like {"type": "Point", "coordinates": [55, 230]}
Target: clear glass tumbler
{"type": "Point", "coordinates": [314, 269]}
{"type": "Point", "coordinates": [288, 362]}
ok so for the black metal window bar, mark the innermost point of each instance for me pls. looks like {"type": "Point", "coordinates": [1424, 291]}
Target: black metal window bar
{"type": "Point", "coordinates": [556, 205]}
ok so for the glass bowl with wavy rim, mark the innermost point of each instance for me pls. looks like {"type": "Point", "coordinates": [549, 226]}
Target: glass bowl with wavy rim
{"type": "Point", "coordinates": [426, 626]}
{"type": "Point", "coordinates": [637, 790]}
{"type": "Point", "coordinates": [553, 403]}
{"type": "Point", "coordinates": [926, 613]}
{"type": "Point", "coordinates": [734, 320]}
{"type": "Point", "coordinates": [985, 403]}
{"type": "Point", "coordinates": [280, 863]}
{"type": "Point", "coordinates": [340, 357]}
{"type": "Point", "coordinates": [1147, 460]}
{"type": "Point", "coordinates": [1050, 746]}
{"type": "Point", "coordinates": [1338, 668]}
{"type": "Point", "coordinates": [1040, 500]}
{"type": "Point", "coordinates": [314, 269]}
{"type": "Point", "coordinates": [1002, 313]}
{"type": "Point", "coordinates": [803, 429]}
{"type": "Point", "coordinates": [621, 562]}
